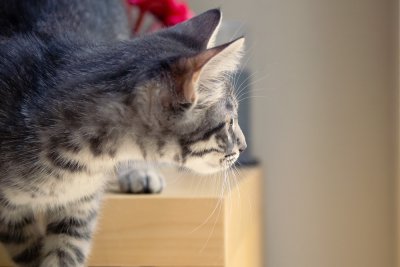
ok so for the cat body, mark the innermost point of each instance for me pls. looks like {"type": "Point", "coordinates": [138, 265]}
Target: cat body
{"type": "Point", "coordinates": [77, 97]}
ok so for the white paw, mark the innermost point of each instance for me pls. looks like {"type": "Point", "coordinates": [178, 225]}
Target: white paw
{"type": "Point", "coordinates": [60, 258]}
{"type": "Point", "coordinates": [139, 181]}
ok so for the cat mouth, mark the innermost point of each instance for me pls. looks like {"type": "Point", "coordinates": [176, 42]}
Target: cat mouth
{"type": "Point", "coordinates": [229, 160]}
{"type": "Point", "coordinates": [212, 165]}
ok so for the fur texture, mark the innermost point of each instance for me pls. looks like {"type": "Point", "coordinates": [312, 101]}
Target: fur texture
{"type": "Point", "coordinates": [76, 98]}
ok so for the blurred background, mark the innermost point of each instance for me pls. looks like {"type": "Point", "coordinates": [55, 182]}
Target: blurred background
{"type": "Point", "coordinates": [324, 118]}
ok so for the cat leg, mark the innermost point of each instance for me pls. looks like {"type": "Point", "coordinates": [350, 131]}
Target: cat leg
{"type": "Point", "coordinates": [139, 179]}
{"type": "Point", "coordinates": [69, 233]}
{"type": "Point", "coordinates": [21, 234]}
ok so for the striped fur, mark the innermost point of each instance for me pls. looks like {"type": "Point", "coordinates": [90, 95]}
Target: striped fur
{"type": "Point", "coordinates": [75, 100]}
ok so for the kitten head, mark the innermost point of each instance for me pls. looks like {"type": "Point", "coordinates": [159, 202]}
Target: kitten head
{"type": "Point", "coordinates": [189, 99]}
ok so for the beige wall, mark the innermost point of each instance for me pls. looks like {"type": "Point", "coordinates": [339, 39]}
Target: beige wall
{"type": "Point", "coordinates": [325, 128]}
{"type": "Point", "coordinates": [397, 72]}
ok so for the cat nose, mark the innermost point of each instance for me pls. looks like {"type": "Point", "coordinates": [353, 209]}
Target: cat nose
{"type": "Point", "coordinates": [240, 140]}
{"type": "Point", "coordinates": [242, 147]}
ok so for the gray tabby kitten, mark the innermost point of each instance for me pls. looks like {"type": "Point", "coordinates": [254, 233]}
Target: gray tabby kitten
{"type": "Point", "coordinates": [74, 101]}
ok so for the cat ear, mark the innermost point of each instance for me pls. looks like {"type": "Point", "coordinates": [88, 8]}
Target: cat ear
{"type": "Point", "coordinates": [201, 29]}
{"type": "Point", "coordinates": [205, 68]}
{"type": "Point", "coordinates": [226, 60]}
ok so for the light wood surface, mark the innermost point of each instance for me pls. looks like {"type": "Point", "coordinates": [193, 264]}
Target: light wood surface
{"type": "Point", "coordinates": [196, 222]}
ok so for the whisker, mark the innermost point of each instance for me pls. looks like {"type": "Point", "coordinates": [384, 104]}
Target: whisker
{"type": "Point", "coordinates": [243, 67]}
{"type": "Point", "coordinates": [249, 93]}
{"type": "Point", "coordinates": [237, 179]}
{"type": "Point", "coordinates": [240, 89]}
{"type": "Point", "coordinates": [250, 85]}
{"type": "Point", "coordinates": [254, 97]}
{"type": "Point", "coordinates": [219, 205]}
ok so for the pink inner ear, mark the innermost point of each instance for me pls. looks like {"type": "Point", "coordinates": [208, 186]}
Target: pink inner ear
{"type": "Point", "coordinates": [186, 73]}
{"type": "Point", "coordinates": [201, 59]}
{"type": "Point", "coordinates": [194, 67]}
{"type": "Point", "coordinates": [189, 88]}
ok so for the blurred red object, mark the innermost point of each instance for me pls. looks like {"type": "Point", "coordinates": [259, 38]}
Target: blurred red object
{"type": "Point", "coordinates": [168, 12]}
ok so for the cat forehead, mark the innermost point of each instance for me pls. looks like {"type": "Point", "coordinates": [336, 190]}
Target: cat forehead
{"type": "Point", "coordinates": [226, 107]}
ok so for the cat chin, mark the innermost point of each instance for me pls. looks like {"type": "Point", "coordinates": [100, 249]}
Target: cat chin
{"type": "Point", "coordinates": [205, 168]}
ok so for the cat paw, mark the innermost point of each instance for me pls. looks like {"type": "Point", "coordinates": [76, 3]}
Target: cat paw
{"type": "Point", "coordinates": [136, 181]}
{"type": "Point", "coordinates": [60, 258]}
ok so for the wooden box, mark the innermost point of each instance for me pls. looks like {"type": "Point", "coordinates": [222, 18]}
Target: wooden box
{"type": "Point", "coordinates": [197, 221]}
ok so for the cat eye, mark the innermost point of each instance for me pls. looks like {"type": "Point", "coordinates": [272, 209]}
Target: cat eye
{"type": "Point", "coordinates": [231, 122]}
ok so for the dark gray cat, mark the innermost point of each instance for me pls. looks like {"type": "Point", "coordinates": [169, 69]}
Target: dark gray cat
{"type": "Point", "coordinates": [76, 98]}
